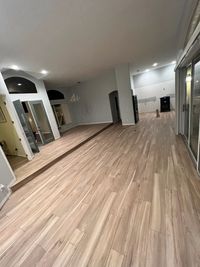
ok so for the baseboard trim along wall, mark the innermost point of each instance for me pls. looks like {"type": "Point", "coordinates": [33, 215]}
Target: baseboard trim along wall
{"type": "Point", "coordinates": [90, 123]}
{"type": "Point", "coordinates": [128, 124]}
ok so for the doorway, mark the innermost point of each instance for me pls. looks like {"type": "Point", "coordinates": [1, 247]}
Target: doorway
{"type": "Point", "coordinates": [114, 105]}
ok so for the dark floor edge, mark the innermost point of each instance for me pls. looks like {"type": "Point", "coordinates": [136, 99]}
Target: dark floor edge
{"type": "Point", "coordinates": [53, 162]}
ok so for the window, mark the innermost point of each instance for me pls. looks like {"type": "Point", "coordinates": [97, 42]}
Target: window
{"type": "Point", "coordinates": [19, 85]}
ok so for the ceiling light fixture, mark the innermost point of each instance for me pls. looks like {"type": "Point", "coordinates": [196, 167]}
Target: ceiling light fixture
{"type": "Point", "coordinates": [155, 64]}
{"type": "Point", "coordinates": [147, 70]}
{"type": "Point", "coordinates": [173, 62]}
{"type": "Point", "coordinates": [44, 72]}
{"type": "Point", "coordinates": [14, 67]}
{"type": "Point", "coordinates": [19, 84]}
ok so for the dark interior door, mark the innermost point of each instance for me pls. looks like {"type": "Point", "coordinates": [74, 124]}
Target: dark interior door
{"type": "Point", "coordinates": [114, 105]}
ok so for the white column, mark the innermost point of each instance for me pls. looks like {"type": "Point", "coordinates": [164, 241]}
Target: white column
{"type": "Point", "coordinates": [125, 94]}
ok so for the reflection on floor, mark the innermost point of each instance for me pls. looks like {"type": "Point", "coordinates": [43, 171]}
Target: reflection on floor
{"type": "Point", "coordinates": [52, 152]}
{"type": "Point", "coordinates": [129, 197]}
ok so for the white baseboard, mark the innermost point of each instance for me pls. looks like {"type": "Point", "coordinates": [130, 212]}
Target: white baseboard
{"type": "Point", "coordinates": [128, 124]}
{"type": "Point", "coordinates": [93, 123]}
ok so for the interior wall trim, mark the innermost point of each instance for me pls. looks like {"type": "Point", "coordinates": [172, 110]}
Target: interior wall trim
{"type": "Point", "coordinates": [96, 122]}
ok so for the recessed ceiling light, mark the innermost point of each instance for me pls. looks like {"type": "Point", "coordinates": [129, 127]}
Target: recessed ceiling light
{"type": "Point", "coordinates": [147, 70]}
{"type": "Point", "coordinates": [173, 62]}
{"type": "Point", "coordinates": [155, 64]}
{"type": "Point", "coordinates": [19, 84]}
{"type": "Point", "coordinates": [14, 67]}
{"type": "Point", "coordinates": [44, 72]}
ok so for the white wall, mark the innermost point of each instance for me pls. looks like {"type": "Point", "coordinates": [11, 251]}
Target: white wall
{"type": "Point", "coordinates": [152, 85]}
{"type": "Point", "coordinates": [6, 178]}
{"type": "Point", "coordinates": [40, 95]}
{"type": "Point", "coordinates": [94, 104]}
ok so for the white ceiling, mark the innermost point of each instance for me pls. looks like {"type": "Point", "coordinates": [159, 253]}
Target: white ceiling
{"type": "Point", "coordinates": [77, 39]}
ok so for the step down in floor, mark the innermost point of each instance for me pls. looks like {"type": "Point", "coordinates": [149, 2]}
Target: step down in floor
{"type": "Point", "coordinates": [27, 179]}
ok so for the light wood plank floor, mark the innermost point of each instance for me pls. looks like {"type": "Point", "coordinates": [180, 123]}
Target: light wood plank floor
{"type": "Point", "coordinates": [129, 197]}
{"type": "Point", "coordinates": [51, 151]}
{"type": "Point", "coordinates": [17, 162]}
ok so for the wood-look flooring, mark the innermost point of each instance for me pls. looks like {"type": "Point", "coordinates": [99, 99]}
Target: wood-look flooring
{"type": "Point", "coordinates": [129, 197]}
{"type": "Point", "coordinates": [17, 162]}
{"type": "Point", "coordinates": [50, 152]}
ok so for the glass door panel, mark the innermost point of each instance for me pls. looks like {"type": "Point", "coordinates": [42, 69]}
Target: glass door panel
{"type": "Point", "coordinates": [195, 111]}
{"type": "Point", "coordinates": [187, 102]}
{"type": "Point", "coordinates": [26, 126]}
{"type": "Point", "coordinates": [41, 121]}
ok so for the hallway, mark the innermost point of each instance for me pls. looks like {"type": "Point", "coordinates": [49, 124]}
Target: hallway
{"type": "Point", "coordinates": [128, 197]}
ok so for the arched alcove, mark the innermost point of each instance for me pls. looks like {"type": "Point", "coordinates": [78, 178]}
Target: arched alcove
{"type": "Point", "coordinates": [55, 95]}
{"type": "Point", "coordinates": [19, 85]}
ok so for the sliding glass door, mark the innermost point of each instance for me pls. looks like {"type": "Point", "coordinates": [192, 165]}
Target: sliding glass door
{"type": "Point", "coordinates": [195, 110]}
{"type": "Point", "coordinates": [187, 105]}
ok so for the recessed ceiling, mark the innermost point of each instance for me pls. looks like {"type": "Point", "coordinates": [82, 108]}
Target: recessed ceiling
{"type": "Point", "coordinates": [75, 40]}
